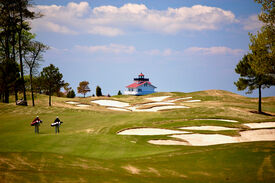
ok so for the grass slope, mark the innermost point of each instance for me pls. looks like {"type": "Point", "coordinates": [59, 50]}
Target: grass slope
{"type": "Point", "coordinates": [88, 149]}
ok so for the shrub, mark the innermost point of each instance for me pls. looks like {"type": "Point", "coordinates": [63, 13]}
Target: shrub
{"type": "Point", "coordinates": [71, 94]}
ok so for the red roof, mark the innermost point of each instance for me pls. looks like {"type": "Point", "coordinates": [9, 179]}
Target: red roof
{"type": "Point", "coordinates": [141, 74]}
{"type": "Point", "coordinates": [135, 85]}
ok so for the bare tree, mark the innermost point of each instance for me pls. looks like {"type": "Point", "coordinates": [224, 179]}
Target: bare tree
{"type": "Point", "coordinates": [33, 56]}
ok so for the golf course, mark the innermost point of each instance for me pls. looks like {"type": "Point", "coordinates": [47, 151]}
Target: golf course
{"type": "Point", "coordinates": [89, 147]}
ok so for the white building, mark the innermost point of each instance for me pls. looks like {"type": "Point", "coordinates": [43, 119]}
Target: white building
{"type": "Point", "coordinates": [141, 86]}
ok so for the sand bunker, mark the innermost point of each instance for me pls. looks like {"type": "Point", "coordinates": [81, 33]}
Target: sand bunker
{"type": "Point", "coordinates": [71, 102]}
{"type": "Point", "coordinates": [158, 99]}
{"type": "Point", "coordinates": [214, 139]}
{"type": "Point", "coordinates": [156, 109]}
{"type": "Point", "coordinates": [210, 128]}
{"type": "Point", "coordinates": [82, 105]}
{"type": "Point", "coordinates": [260, 125]}
{"type": "Point", "coordinates": [258, 135]}
{"type": "Point", "coordinates": [174, 100]}
{"type": "Point", "coordinates": [193, 101]}
{"type": "Point", "coordinates": [157, 103]}
{"type": "Point", "coordinates": [167, 142]}
{"type": "Point", "coordinates": [225, 120]}
{"type": "Point", "coordinates": [111, 103]}
{"type": "Point", "coordinates": [150, 131]}
{"type": "Point", "coordinates": [117, 109]}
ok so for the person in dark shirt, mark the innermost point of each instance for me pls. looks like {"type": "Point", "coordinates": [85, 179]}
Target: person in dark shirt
{"type": "Point", "coordinates": [58, 123]}
{"type": "Point", "coordinates": [36, 123]}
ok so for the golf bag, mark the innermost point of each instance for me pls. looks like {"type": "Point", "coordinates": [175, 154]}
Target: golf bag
{"type": "Point", "coordinates": [58, 123]}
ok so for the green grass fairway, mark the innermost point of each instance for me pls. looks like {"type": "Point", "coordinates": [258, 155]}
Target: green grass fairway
{"type": "Point", "coordinates": [89, 150]}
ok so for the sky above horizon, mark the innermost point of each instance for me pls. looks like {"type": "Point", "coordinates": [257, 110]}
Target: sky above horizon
{"type": "Point", "coordinates": [180, 45]}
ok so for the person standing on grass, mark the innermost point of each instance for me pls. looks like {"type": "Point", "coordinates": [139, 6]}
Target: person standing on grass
{"type": "Point", "coordinates": [57, 124]}
{"type": "Point", "coordinates": [36, 123]}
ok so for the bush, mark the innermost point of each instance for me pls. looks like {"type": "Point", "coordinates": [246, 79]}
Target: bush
{"type": "Point", "coordinates": [119, 93]}
{"type": "Point", "coordinates": [71, 94]}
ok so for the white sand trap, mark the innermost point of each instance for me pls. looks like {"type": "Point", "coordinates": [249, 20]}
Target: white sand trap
{"type": "Point", "coordinates": [117, 109]}
{"type": "Point", "coordinates": [225, 120]}
{"type": "Point", "coordinates": [206, 139]}
{"type": "Point", "coordinates": [82, 105]}
{"type": "Point", "coordinates": [167, 142]}
{"type": "Point", "coordinates": [260, 125]}
{"type": "Point", "coordinates": [111, 103]}
{"type": "Point", "coordinates": [156, 109]}
{"type": "Point", "coordinates": [192, 101]}
{"type": "Point", "coordinates": [258, 135]}
{"type": "Point", "coordinates": [158, 99]}
{"type": "Point", "coordinates": [214, 139]}
{"type": "Point", "coordinates": [210, 128]}
{"type": "Point", "coordinates": [174, 100]}
{"type": "Point", "coordinates": [150, 131]}
{"type": "Point", "coordinates": [71, 102]}
{"type": "Point", "coordinates": [157, 103]}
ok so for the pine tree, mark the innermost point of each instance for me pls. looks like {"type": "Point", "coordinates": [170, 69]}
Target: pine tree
{"type": "Point", "coordinates": [51, 80]}
{"type": "Point", "coordinates": [98, 91]}
{"type": "Point", "coordinates": [250, 79]}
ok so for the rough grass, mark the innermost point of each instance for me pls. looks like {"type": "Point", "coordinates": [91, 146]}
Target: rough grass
{"type": "Point", "coordinates": [88, 149]}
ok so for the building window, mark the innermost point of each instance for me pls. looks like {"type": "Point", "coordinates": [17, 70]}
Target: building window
{"type": "Point", "coordinates": [139, 90]}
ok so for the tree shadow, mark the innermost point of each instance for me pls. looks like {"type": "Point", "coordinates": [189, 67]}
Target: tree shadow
{"type": "Point", "coordinates": [263, 113]}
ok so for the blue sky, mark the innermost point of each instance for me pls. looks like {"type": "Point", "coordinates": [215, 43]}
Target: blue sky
{"type": "Point", "coordinates": [181, 45]}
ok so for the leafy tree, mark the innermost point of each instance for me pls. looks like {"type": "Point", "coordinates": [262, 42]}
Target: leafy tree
{"type": "Point", "coordinates": [67, 88]}
{"type": "Point", "coordinates": [83, 87]}
{"type": "Point", "coordinates": [51, 80]}
{"type": "Point", "coordinates": [32, 57]}
{"type": "Point", "coordinates": [71, 94]}
{"type": "Point", "coordinates": [119, 93]}
{"type": "Point", "coordinates": [98, 91]}
{"type": "Point", "coordinates": [250, 79]}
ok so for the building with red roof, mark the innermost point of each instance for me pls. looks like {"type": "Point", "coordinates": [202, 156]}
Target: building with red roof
{"type": "Point", "coordinates": [141, 86]}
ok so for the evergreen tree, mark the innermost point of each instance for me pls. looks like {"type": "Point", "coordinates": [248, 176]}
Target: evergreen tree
{"type": "Point", "coordinates": [71, 94]}
{"type": "Point", "coordinates": [51, 80]}
{"type": "Point", "coordinates": [14, 18]}
{"type": "Point", "coordinates": [250, 79]}
{"type": "Point", "coordinates": [263, 43]}
{"type": "Point", "coordinates": [98, 91]}
{"type": "Point", "coordinates": [119, 93]}
{"type": "Point", "coordinates": [257, 68]}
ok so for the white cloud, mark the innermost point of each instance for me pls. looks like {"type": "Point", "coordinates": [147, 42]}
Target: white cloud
{"type": "Point", "coordinates": [111, 48]}
{"type": "Point", "coordinates": [107, 31]}
{"type": "Point", "coordinates": [156, 52]}
{"type": "Point", "coordinates": [214, 51]}
{"type": "Point", "coordinates": [252, 23]}
{"type": "Point", "coordinates": [53, 27]}
{"type": "Point", "coordinates": [112, 21]}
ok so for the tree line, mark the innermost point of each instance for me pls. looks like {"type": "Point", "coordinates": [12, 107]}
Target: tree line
{"type": "Point", "coordinates": [20, 53]}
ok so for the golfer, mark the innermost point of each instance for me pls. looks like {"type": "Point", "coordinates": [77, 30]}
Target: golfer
{"type": "Point", "coordinates": [36, 123]}
{"type": "Point", "coordinates": [57, 124]}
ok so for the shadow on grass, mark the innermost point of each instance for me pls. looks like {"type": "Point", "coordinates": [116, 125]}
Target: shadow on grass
{"type": "Point", "coordinates": [263, 113]}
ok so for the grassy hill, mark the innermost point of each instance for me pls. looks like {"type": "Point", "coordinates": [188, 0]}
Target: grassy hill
{"type": "Point", "coordinates": [89, 150]}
